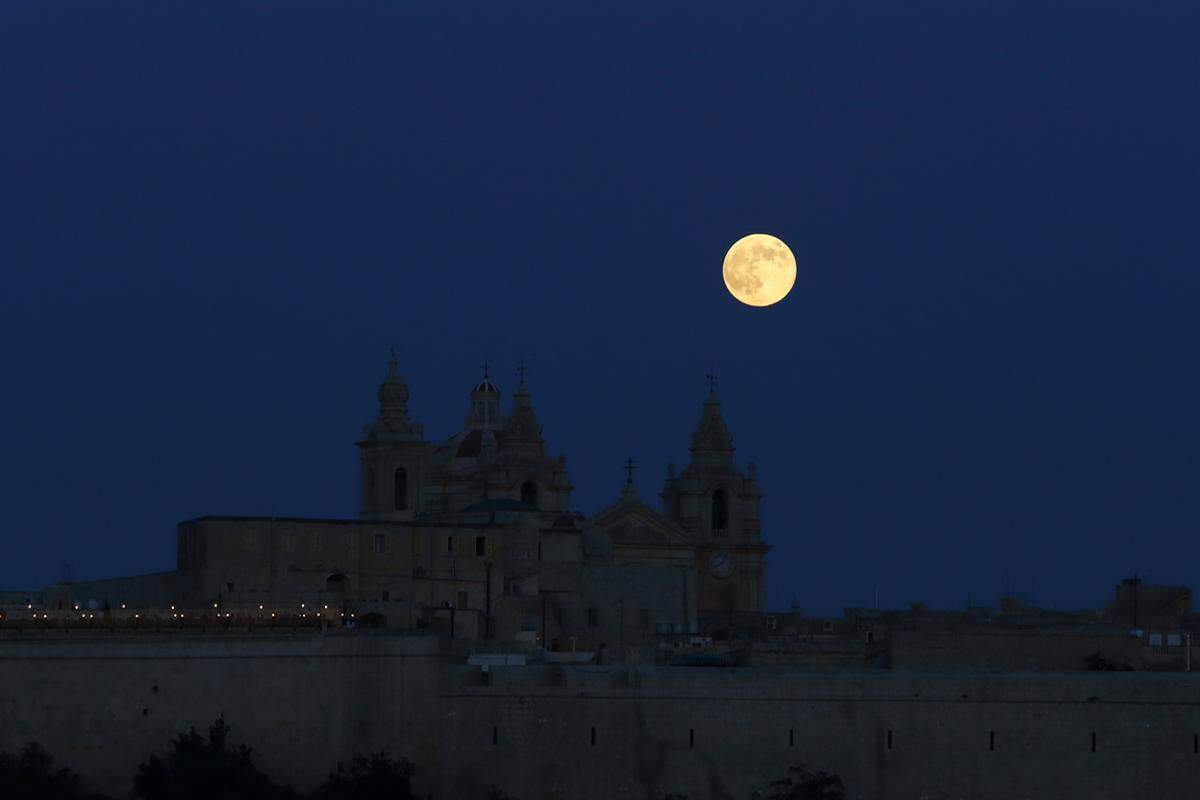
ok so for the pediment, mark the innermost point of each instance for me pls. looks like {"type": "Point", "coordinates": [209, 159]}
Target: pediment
{"type": "Point", "coordinates": [631, 522]}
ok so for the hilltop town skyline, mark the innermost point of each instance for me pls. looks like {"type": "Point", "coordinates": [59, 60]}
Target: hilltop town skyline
{"type": "Point", "coordinates": [986, 364]}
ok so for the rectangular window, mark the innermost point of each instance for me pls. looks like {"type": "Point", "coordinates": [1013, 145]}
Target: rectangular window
{"type": "Point", "coordinates": [480, 545]}
{"type": "Point", "coordinates": [691, 737]}
{"type": "Point", "coordinates": [991, 740]}
{"type": "Point", "coordinates": [593, 617]}
{"type": "Point", "coordinates": [889, 745]}
{"type": "Point", "coordinates": [1093, 741]}
{"type": "Point", "coordinates": [379, 544]}
{"type": "Point", "coordinates": [449, 545]}
{"type": "Point", "coordinates": [558, 616]}
{"type": "Point", "coordinates": [384, 595]}
{"type": "Point", "coordinates": [593, 737]}
{"type": "Point", "coordinates": [644, 617]}
{"type": "Point", "coordinates": [462, 599]}
{"type": "Point", "coordinates": [792, 737]}
{"type": "Point", "coordinates": [495, 735]}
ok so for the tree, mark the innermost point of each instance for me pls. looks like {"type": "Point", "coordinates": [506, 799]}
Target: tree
{"type": "Point", "coordinates": [803, 784]}
{"type": "Point", "coordinates": [497, 794]}
{"type": "Point", "coordinates": [30, 776]}
{"type": "Point", "coordinates": [373, 777]}
{"type": "Point", "coordinates": [199, 768]}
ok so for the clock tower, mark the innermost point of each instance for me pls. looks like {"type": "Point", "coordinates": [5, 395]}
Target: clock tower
{"type": "Point", "coordinates": [718, 505]}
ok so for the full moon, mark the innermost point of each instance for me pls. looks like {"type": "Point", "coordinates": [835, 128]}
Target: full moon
{"type": "Point", "coordinates": [759, 270]}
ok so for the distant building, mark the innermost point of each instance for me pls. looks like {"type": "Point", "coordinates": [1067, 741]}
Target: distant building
{"type": "Point", "coordinates": [476, 532]}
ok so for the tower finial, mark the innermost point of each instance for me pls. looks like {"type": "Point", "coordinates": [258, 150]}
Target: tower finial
{"type": "Point", "coordinates": [521, 371]}
{"type": "Point", "coordinates": [630, 466]}
{"type": "Point", "coordinates": [711, 377]}
{"type": "Point", "coordinates": [485, 370]}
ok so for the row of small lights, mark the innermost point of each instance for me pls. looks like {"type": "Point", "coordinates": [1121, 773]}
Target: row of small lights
{"type": "Point", "coordinates": [180, 614]}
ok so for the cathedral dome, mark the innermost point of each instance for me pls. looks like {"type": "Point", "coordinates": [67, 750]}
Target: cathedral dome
{"type": "Point", "coordinates": [485, 385]}
{"type": "Point", "coordinates": [474, 442]}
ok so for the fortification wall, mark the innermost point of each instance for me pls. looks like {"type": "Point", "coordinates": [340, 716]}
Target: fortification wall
{"type": "Point", "coordinates": [601, 732]}
{"type": "Point", "coordinates": [102, 704]}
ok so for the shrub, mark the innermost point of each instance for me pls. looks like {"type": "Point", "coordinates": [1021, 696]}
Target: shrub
{"type": "Point", "coordinates": [31, 776]}
{"type": "Point", "coordinates": [199, 768]}
{"type": "Point", "coordinates": [804, 784]}
{"type": "Point", "coordinates": [373, 777]}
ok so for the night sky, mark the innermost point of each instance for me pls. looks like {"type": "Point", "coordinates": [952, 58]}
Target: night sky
{"type": "Point", "coordinates": [214, 222]}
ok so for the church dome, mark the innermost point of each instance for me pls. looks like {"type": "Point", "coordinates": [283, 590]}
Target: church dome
{"type": "Point", "coordinates": [485, 385]}
{"type": "Point", "coordinates": [473, 443]}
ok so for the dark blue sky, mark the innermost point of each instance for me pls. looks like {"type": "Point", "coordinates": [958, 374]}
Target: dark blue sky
{"type": "Point", "coordinates": [214, 222]}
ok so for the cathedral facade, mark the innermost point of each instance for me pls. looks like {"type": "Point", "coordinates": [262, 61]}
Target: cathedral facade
{"type": "Point", "coordinates": [474, 535]}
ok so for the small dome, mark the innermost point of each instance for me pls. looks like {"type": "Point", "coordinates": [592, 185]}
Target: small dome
{"type": "Point", "coordinates": [485, 386]}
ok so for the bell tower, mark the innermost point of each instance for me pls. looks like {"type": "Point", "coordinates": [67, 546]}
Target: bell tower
{"type": "Point", "coordinates": [391, 455]}
{"type": "Point", "coordinates": [718, 505]}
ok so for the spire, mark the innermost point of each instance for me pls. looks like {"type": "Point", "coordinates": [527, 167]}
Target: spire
{"type": "Point", "coordinates": [393, 394]}
{"type": "Point", "coordinates": [392, 421]}
{"type": "Point", "coordinates": [712, 441]}
{"type": "Point", "coordinates": [522, 426]}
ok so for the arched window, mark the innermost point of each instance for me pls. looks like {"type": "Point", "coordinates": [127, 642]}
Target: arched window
{"type": "Point", "coordinates": [401, 489]}
{"type": "Point", "coordinates": [529, 494]}
{"type": "Point", "coordinates": [720, 511]}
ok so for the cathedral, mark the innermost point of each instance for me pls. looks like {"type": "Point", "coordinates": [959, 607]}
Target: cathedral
{"type": "Point", "coordinates": [474, 536]}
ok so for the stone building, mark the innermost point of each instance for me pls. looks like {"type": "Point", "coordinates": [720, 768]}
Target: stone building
{"type": "Point", "coordinates": [475, 535]}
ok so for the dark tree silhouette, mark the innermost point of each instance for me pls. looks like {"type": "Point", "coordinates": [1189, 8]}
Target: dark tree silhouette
{"type": "Point", "coordinates": [803, 784]}
{"type": "Point", "coordinates": [497, 794]}
{"type": "Point", "coordinates": [199, 768]}
{"type": "Point", "coordinates": [373, 777]}
{"type": "Point", "coordinates": [31, 776]}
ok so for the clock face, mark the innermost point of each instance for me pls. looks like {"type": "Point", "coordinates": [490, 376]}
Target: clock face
{"type": "Point", "coordinates": [720, 564]}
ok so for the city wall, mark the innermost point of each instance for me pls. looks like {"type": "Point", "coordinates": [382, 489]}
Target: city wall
{"type": "Point", "coordinates": [303, 701]}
